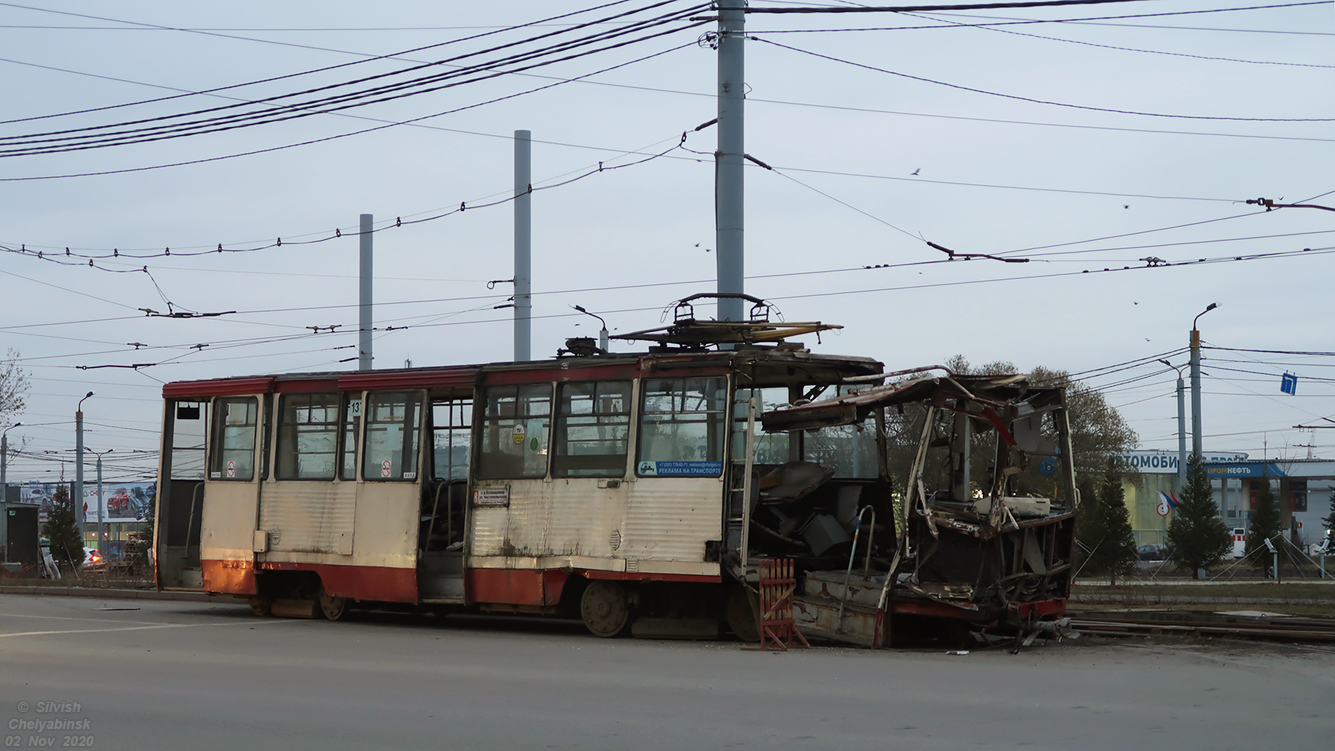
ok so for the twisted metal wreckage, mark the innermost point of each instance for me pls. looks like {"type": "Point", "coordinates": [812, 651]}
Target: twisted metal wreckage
{"type": "Point", "coordinates": [971, 552]}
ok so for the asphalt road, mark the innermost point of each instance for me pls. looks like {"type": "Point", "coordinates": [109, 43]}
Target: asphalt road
{"type": "Point", "coordinates": [176, 675]}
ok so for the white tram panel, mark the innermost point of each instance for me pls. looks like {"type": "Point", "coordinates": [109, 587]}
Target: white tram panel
{"type": "Point", "coordinates": [308, 517]}
{"type": "Point", "coordinates": [646, 526]}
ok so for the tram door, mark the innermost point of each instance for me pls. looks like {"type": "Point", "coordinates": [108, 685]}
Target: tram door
{"type": "Point", "coordinates": [180, 494]}
{"type": "Point", "coordinates": [236, 466]}
{"type": "Point", "coordinates": [445, 498]}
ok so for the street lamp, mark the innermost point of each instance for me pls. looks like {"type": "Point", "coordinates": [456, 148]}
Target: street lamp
{"type": "Point", "coordinates": [1181, 427]}
{"type": "Point", "coordinates": [4, 490]}
{"type": "Point", "coordinates": [1196, 382]}
{"type": "Point", "coordinates": [602, 335]}
{"type": "Point", "coordinates": [78, 464]}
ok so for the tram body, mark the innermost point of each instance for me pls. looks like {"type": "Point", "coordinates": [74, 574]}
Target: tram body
{"type": "Point", "coordinates": [613, 487]}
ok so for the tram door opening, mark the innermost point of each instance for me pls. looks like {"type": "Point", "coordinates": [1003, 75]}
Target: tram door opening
{"type": "Point", "coordinates": [180, 497]}
{"type": "Point", "coordinates": [440, 545]}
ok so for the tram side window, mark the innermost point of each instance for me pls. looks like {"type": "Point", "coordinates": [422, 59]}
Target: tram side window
{"type": "Point", "coordinates": [515, 431]}
{"type": "Point", "coordinates": [592, 429]}
{"type": "Point", "coordinates": [682, 424]}
{"type": "Point", "coordinates": [392, 421]}
{"type": "Point", "coordinates": [234, 422]}
{"type": "Point", "coordinates": [189, 428]}
{"type": "Point", "coordinates": [308, 427]}
{"type": "Point", "coordinates": [352, 422]}
{"type": "Point", "coordinates": [452, 428]}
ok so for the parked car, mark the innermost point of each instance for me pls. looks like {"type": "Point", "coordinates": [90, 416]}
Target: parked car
{"type": "Point", "coordinates": [93, 560]}
{"type": "Point", "coordinates": [1153, 552]}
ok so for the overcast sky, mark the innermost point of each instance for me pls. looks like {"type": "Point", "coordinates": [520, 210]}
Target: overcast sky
{"type": "Point", "coordinates": [1130, 137]}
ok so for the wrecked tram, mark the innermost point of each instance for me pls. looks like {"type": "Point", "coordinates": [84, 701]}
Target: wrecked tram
{"type": "Point", "coordinates": [641, 493]}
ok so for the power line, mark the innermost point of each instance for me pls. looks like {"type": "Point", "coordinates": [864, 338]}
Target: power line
{"type": "Point", "coordinates": [988, 27]}
{"type": "Point", "coordinates": [94, 136]}
{"type": "Point", "coordinates": [342, 135]}
{"type": "Point", "coordinates": [367, 59]}
{"type": "Point", "coordinates": [1033, 100]}
{"type": "Point", "coordinates": [1088, 20]}
{"type": "Point", "coordinates": [918, 8]}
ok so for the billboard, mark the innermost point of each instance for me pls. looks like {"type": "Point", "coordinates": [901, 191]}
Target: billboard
{"type": "Point", "coordinates": [120, 501]}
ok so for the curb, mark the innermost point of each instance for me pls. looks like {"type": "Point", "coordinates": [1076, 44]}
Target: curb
{"type": "Point", "coordinates": [111, 594]}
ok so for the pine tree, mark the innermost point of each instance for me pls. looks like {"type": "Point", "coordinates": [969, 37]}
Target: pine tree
{"type": "Point", "coordinates": [1265, 525]}
{"type": "Point", "coordinates": [1117, 554]}
{"type": "Point", "coordinates": [1197, 537]}
{"type": "Point", "coordinates": [62, 530]}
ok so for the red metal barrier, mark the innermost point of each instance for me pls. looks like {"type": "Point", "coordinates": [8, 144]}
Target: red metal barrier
{"type": "Point", "coordinates": [777, 584]}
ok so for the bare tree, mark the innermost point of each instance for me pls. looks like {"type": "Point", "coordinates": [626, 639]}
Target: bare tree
{"type": "Point", "coordinates": [13, 386]}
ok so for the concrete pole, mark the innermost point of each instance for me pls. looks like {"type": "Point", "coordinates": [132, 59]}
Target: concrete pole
{"type": "Point", "coordinates": [730, 164]}
{"type": "Point", "coordinates": [101, 546]}
{"type": "Point", "coordinates": [1181, 433]}
{"type": "Point", "coordinates": [523, 246]}
{"type": "Point", "coordinates": [1196, 381]}
{"type": "Point", "coordinates": [4, 495]}
{"type": "Point", "coordinates": [78, 473]}
{"type": "Point", "coordinates": [1196, 393]}
{"type": "Point", "coordinates": [364, 324]}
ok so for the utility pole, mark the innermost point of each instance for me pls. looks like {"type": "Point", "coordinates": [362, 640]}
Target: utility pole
{"type": "Point", "coordinates": [100, 545]}
{"type": "Point", "coordinates": [730, 164]}
{"type": "Point", "coordinates": [78, 465]}
{"type": "Point", "coordinates": [1196, 382]}
{"type": "Point", "coordinates": [364, 324]}
{"type": "Point", "coordinates": [4, 490]}
{"type": "Point", "coordinates": [1181, 428]}
{"type": "Point", "coordinates": [523, 246]}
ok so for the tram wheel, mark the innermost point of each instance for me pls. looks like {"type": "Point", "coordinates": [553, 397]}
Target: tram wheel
{"type": "Point", "coordinates": [333, 608]}
{"type": "Point", "coordinates": [741, 614]}
{"type": "Point", "coordinates": [605, 608]}
{"type": "Point", "coordinates": [260, 605]}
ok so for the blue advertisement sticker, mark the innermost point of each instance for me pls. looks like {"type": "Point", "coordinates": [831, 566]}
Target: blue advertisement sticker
{"type": "Point", "coordinates": [680, 469]}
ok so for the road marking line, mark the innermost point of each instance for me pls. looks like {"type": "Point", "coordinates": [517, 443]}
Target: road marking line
{"type": "Point", "coordinates": [69, 618]}
{"type": "Point", "coordinates": [141, 628]}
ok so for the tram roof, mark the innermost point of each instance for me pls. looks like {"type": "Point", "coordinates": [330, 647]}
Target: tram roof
{"type": "Point", "coordinates": [764, 363]}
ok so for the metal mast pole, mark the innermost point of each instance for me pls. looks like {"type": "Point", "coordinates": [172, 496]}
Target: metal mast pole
{"type": "Point", "coordinates": [100, 545]}
{"type": "Point", "coordinates": [1195, 393]}
{"type": "Point", "coordinates": [1181, 433]}
{"type": "Point", "coordinates": [523, 246]}
{"type": "Point", "coordinates": [1196, 382]}
{"type": "Point", "coordinates": [78, 470]}
{"type": "Point", "coordinates": [729, 178]}
{"type": "Point", "coordinates": [4, 490]}
{"type": "Point", "coordinates": [364, 324]}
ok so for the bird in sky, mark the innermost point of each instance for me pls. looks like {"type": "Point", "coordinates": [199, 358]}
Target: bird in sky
{"type": "Point", "coordinates": [915, 172]}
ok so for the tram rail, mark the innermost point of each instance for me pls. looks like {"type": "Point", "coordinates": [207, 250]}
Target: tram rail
{"type": "Point", "coordinates": [1270, 627]}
